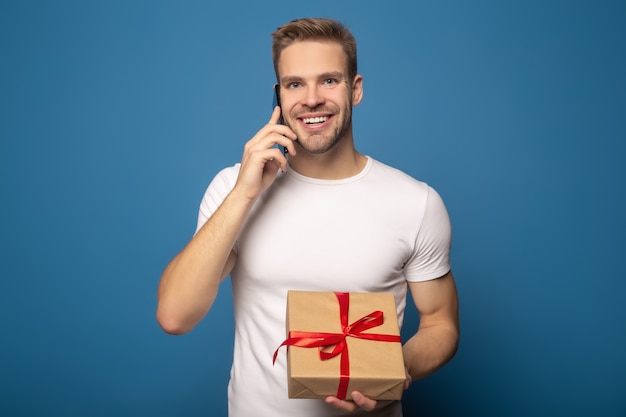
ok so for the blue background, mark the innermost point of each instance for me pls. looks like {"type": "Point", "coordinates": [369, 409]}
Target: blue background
{"type": "Point", "coordinates": [115, 115]}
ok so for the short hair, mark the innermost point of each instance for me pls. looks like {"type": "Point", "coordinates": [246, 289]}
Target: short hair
{"type": "Point", "coordinates": [315, 29]}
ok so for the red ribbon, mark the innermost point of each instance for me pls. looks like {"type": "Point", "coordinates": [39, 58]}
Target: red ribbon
{"type": "Point", "coordinates": [323, 340]}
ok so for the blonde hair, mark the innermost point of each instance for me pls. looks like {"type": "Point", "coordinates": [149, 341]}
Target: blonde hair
{"type": "Point", "coordinates": [316, 29]}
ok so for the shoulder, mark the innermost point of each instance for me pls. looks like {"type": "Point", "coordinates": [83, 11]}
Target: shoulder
{"type": "Point", "coordinates": [224, 180]}
{"type": "Point", "coordinates": [401, 189]}
{"type": "Point", "coordinates": [229, 173]}
{"type": "Point", "coordinates": [222, 184]}
{"type": "Point", "coordinates": [396, 178]}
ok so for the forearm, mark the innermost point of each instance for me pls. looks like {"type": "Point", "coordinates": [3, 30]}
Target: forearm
{"type": "Point", "coordinates": [190, 282]}
{"type": "Point", "coordinates": [430, 349]}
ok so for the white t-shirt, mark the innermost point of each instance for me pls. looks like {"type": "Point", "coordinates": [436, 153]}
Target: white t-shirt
{"type": "Point", "coordinates": [367, 233]}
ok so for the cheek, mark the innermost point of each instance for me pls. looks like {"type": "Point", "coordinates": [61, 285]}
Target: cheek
{"type": "Point", "coordinates": [289, 106]}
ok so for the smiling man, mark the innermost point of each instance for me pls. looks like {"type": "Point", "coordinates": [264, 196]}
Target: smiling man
{"type": "Point", "coordinates": [323, 217]}
{"type": "Point", "coordinates": [316, 100]}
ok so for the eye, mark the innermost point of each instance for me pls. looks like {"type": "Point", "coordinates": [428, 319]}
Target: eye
{"type": "Point", "coordinates": [330, 81]}
{"type": "Point", "coordinates": [294, 84]}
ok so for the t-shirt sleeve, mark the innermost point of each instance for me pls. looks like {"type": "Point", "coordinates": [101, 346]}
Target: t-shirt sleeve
{"type": "Point", "coordinates": [431, 257]}
{"type": "Point", "coordinates": [216, 192]}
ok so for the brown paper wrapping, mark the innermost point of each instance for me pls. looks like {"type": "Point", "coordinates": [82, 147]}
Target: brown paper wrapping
{"type": "Point", "coordinates": [376, 367]}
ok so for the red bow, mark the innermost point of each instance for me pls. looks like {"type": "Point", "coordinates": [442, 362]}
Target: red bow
{"type": "Point", "coordinates": [338, 340]}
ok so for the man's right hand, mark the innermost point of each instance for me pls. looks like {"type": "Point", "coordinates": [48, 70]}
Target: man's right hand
{"type": "Point", "coordinates": [190, 282]}
{"type": "Point", "coordinates": [261, 158]}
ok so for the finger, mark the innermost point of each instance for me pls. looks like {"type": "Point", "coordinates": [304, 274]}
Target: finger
{"type": "Point", "coordinates": [270, 136]}
{"type": "Point", "coordinates": [277, 158]}
{"type": "Point", "coordinates": [275, 116]}
{"type": "Point", "coordinates": [348, 406]}
{"type": "Point", "coordinates": [363, 402]}
{"type": "Point", "coordinates": [287, 142]}
{"type": "Point", "coordinates": [271, 167]}
{"type": "Point", "coordinates": [408, 380]}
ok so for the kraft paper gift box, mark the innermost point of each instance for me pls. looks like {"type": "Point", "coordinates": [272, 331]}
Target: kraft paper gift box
{"type": "Point", "coordinates": [341, 342]}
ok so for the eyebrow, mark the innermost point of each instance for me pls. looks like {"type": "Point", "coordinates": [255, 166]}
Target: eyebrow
{"type": "Point", "coordinates": [332, 74]}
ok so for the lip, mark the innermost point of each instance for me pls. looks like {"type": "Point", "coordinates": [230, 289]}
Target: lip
{"type": "Point", "coordinates": [307, 115]}
{"type": "Point", "coordinates": [313, 115]}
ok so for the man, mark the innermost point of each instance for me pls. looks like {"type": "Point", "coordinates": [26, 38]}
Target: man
{"type": "Point", "coordinates": [322, 218]}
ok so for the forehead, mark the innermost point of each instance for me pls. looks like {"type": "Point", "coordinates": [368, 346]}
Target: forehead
{"type": "Point", "coordinates": [310, 58]}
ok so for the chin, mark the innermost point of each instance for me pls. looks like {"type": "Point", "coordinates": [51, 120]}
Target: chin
{"type": "Point", "coordinates": [317, 148]}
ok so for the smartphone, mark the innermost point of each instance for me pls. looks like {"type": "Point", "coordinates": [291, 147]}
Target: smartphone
{"type": "Point", "coordinates": [280, 119]}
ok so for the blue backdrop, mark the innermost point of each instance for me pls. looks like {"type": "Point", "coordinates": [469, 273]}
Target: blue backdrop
{"type": "Point", "coordinates": [115, 115]}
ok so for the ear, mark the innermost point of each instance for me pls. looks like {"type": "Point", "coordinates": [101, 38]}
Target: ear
{"type": "Point", "coordinates": [357, 89]}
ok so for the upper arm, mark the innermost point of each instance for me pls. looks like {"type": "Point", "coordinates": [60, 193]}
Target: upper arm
{"type": "Point", "coordinates": [436, 301]}
{"type": "Point", "coordinates": [215, 194]}
{"type": "Point", "coordinates": [230, 264]}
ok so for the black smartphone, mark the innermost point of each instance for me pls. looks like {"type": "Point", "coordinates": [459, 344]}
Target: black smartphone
{"type": "Point", "coordinates": [280, 119]}
{"type": "Point", "coordinates": [277, 102]}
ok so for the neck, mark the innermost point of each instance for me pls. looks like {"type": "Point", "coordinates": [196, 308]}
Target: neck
{"type": "Point", "coordinates": [343, 161]}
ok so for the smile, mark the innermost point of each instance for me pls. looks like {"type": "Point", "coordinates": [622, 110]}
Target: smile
{"type": "Point", "coordinates": [314, 120]}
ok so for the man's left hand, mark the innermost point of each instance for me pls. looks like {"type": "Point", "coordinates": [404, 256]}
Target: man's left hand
{"type": "Point", "coordinates": [359, 400]}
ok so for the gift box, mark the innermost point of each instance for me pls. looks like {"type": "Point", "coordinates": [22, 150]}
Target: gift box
{"type": "Point", "coordinates": [341, 342]}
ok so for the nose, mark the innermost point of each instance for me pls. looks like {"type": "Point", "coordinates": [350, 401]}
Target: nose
{"type": "Point", "coordinates": [313, 98]}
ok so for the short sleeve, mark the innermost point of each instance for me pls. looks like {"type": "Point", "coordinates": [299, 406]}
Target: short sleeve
{"type": "Point", "coordinates": [431, 257]}
{"type": "Point", "coordinates": [216, 192]}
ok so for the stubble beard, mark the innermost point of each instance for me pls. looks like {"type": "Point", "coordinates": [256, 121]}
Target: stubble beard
{"type": "Point", "coordinates": [321, 143]}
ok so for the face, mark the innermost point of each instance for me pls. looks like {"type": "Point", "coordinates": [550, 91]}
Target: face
{"type": "Point", "coordinates": [316, 94]}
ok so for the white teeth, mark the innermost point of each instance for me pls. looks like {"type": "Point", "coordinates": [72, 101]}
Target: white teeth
{"type": "Point", "coordinates": [311, 120]}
